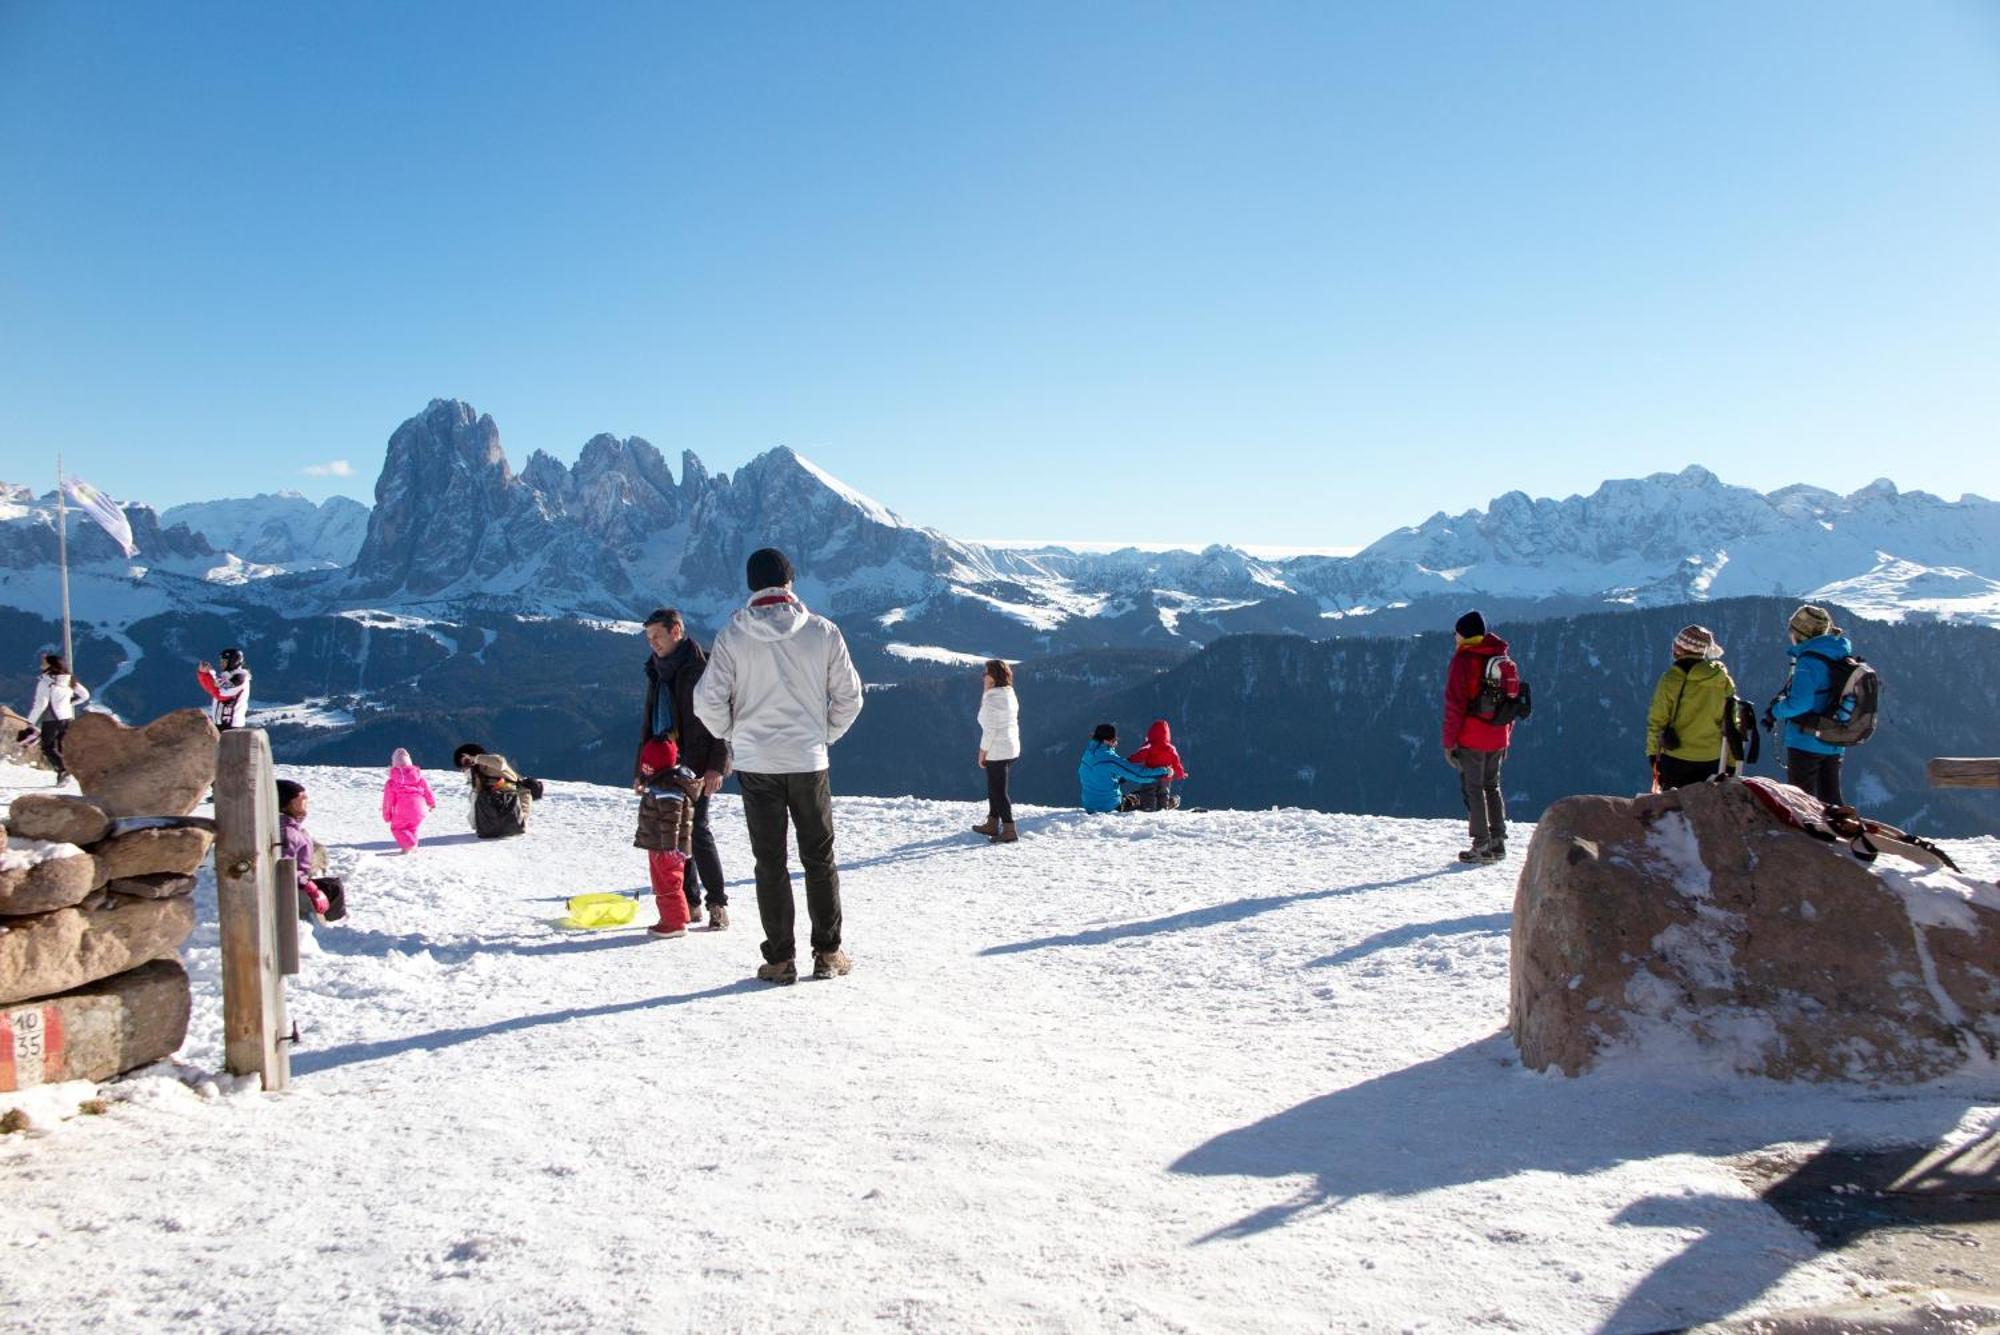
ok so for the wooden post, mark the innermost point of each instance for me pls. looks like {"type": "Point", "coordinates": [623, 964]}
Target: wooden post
{"type": "Point", "coordinates": [246, 856]}
{"type": "Point", "coordinates": [1965, 772]}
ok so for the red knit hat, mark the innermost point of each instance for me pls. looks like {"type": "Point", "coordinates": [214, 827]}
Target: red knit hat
{"type": "Point", "coordinates": [659, 755]}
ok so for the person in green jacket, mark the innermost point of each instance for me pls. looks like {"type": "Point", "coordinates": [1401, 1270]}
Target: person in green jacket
{"type": "Point", "coordinates": [1685, 732]}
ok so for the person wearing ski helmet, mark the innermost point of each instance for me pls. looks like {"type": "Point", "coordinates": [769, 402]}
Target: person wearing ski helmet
{"type": "Point", "coordinates": [1816, 645]}
{"type": "Point", "coordinates": [1687, 724]}
{"type": "Point", "coordinates": [1474, 746]}
{"type": "Point", "coordinates": [228, 688]}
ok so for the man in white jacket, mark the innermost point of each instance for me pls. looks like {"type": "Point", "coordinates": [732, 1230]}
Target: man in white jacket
{"type": "Point", "coordinates": [780, 689]}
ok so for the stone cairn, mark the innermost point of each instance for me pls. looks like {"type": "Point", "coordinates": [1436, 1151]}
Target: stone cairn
{"type": "Point", "coordinates": [96, 897]}
{"type": "Point", "coordinates": [1693, 926]}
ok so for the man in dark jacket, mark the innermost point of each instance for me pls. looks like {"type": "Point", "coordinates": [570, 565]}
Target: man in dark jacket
{"type": "Point", "coordinates": [672, 670]}
{"type": "Point", "coordinates": [1476, 747]}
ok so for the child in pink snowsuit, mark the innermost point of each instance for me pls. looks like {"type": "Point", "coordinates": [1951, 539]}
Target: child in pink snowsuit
{"type": "Point", "coordinates": [406, 799]}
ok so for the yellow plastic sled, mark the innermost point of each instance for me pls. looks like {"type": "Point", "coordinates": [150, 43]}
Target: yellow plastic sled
{"type": "Point", "coordinates": [592, 912]}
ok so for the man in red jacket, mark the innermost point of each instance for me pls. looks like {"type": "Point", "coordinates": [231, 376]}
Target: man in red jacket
{"type": "Point", "coordinates": [1476, 747]}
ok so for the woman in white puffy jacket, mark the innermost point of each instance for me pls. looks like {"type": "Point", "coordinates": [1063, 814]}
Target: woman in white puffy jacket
{"type": "Point", "coordinates": [57, 694]}
{"type": "Point", "coordinates": [999, 748]}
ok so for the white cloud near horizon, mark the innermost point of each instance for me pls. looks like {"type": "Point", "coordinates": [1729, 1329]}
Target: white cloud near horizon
{"type": "Point", "coordinates": [331, 468]}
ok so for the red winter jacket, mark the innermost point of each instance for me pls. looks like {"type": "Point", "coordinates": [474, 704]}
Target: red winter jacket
{"type": "Point", "coordinates": [1461, 688]}
{"type": "Point", "coordinates": [1158, 752]}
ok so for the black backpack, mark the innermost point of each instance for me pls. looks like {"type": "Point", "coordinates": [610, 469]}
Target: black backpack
{"type": "Point", "coordinates": [1853, 700]}
{"type": "Point", "coordinates": [1739, 726]}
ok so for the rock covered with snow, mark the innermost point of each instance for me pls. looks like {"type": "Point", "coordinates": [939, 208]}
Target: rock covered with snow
{"type": "Point", "coordinates": [1692, 928]}
{"type": "Point", "coordinates": [37, 876]}
{"type": "Point", "coordinates": [162, 769]}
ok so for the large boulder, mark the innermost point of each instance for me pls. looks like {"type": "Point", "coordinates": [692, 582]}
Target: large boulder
{"type": "Point", "coordinates": [147, 852]}
{"type": "Point", "coordinates": [98, 1031]}
{"type": "Point", "coordinates": [54, 952]}
{"type": "Point", "coordinates": [57, 818]}
{"type": "Point", "coordinates": [162, 769]}
{"type": "Point", "coordinates": [1693, 926]}
{"type": "Point", "coordinates": [36, 877]}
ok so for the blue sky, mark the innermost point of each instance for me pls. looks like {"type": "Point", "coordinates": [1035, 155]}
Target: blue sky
{"type": "Point", "coordinates": [1257, 273]}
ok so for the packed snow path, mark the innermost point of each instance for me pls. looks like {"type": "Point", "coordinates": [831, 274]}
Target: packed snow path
{"type": "Point", "coordinates": [1231, 1071]}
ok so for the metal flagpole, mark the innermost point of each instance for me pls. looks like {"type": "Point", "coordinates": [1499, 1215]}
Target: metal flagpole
{"type": "Point", "coordinates": [62, 560]}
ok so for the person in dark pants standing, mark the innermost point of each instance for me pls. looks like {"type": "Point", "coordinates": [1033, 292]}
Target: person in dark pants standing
{"type": "Point", "coordinates": [780, 689]}
{"type": "Point", "coordinates": [1474, 746]}
{"type": "Point", "coordinates": [999, 748]}
{"type": "Point", "coordinates": [673, 670]}
{"type": "Point", "coordinates": [1817, 644]}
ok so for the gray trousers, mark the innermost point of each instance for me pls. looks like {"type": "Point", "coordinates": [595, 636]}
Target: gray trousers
{"type": "Point", "coordinates": [771, 802]}
{"type": "Point", "coordinates": [1479, 781]}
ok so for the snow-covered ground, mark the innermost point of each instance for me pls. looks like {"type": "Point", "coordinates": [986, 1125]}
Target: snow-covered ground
{"type": "Point", "coordinates": [1211, 1072]}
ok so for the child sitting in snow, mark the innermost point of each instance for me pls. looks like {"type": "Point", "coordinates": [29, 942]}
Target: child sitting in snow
{"type": "Point", "coordinates": [1159, 753]}
{"type": "Point", "coordinates": [668, 791]}
{"type": "Point", "coordinates": [406, 800]}
{"type": "Point", "coordinates": [318, 892]}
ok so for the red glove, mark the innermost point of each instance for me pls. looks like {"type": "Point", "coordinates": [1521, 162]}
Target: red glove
{"type": "Point", "coordinates": [318, 897]}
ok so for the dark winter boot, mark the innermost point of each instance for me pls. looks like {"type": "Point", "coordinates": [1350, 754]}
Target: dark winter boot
{"type": "Point", "coordinates": [988, 827]}
{"type": "Point", "coordinates": [1495, 851]}
{"type": "Point", "coordinates": [1007, 834]}
{"type": "Point", "coordinates": [1476, 853]}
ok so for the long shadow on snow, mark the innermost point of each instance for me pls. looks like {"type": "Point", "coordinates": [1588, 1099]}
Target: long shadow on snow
{"type": "Point", "coordinates": [1415, 931]}
{"type": "Point", "coordinates": [1473, 1115]}
{"type": "Point", "coordinates": [308, 1061]}
{"type": "Point", "coordinates": [362, 941]}
{"type": "Point", "coordinates": [386, 845]}
{"type": "Point", "coordinates": [1215, 915]}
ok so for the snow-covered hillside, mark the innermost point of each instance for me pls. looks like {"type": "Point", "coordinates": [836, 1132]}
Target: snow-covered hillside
{"type": "Point", "coordinates": [1218, 1072]}
{"type": "Point", "coordinates": [279, 532]}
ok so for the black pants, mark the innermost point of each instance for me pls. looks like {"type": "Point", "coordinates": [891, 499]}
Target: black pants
{"type": "Point", "coordinates": [707, 861]}
{"type": "Point", "coordinates": [1678, 773]}
{"type": "Point", "coordinates": [999, 806]}
{"type": "Point", "coordinates": [807, 800]}
{"type": "Point", "coordinates": [1479, 782]}
{"type": "Point", "coordinates": [53, 729]}
{"type": "Point", "coordinates": [1817, 774]}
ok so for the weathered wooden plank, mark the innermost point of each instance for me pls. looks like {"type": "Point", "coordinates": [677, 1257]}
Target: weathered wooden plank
{"type": "Point", "coordinates": [246, 854]}
{"type": "Point", "coordinates": [1965, 772]}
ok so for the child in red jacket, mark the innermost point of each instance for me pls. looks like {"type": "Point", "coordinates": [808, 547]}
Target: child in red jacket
{"type": "Point", "coordinates": [1159, 753]}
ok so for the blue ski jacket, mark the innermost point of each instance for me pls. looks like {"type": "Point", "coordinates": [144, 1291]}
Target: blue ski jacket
{"type": "Point", "coordinates": [1102, 771]}
{"type": "Point", "coordinates": [1809, 690]}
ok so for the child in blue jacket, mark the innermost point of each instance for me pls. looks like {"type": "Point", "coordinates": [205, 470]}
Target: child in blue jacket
{"type": "Point", "coordinates": [1816, 644]}
{"type": "Point", "coordinates": [1103, 772]}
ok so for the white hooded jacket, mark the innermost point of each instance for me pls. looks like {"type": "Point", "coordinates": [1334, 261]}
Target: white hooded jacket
{"type": "Point", "coordinates": [780, 687]}
{"type": "Point", "coordinates": [59, 694]}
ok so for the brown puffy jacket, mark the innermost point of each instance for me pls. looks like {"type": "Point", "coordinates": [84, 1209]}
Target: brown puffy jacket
{"type": "Point", "coordinates": [665, 823]}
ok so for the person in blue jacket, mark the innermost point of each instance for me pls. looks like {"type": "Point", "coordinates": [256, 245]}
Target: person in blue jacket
{"type": "Point", "coordinates": [1816, 643]}
{"type": "Point", "coordinates": [1103, 772]}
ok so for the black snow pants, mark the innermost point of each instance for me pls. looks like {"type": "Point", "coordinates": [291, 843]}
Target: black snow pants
{"type": "Point", "coordinates": [771, 802]}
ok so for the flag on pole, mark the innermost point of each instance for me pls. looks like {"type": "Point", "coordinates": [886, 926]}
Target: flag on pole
{"type": "Point", "coordinates": [105, 511]}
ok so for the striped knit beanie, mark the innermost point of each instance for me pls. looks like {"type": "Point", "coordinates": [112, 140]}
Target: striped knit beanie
{"type": "Point", "coordinates": [1696, 642]}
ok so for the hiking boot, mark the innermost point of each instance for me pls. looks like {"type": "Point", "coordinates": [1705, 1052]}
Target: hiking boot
{"type": "Point", "coordinates": [830, 963]}
{"type": "Point", "coordinates": [718, 918]}
{"type": "Point", "coordinates": [694, 913]}
{"type": "Point", "coordinates": [1007, 834]}
{"type": "Point", "coordinates": [1495, 851]}
{"type": "Point", "coordinates": [780, 972]}
{"type": "Point", "coordinates": [988, 827]}
{"type": "Point", "coordinates": [1476, 853]}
